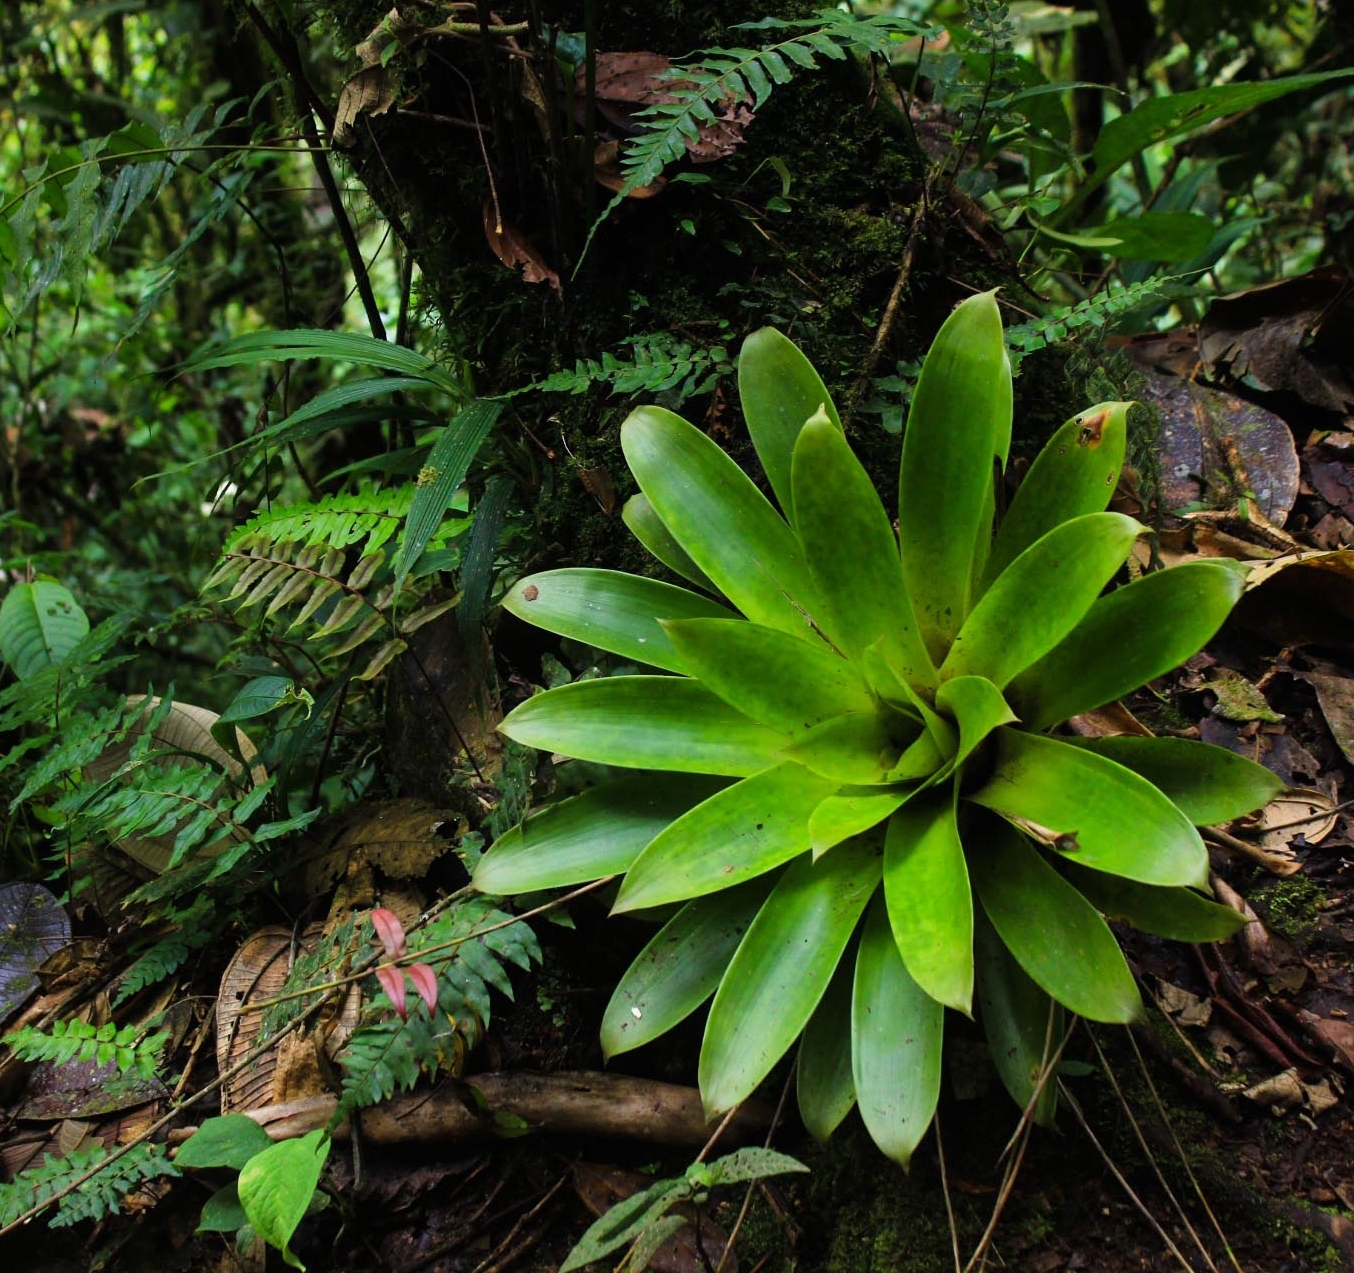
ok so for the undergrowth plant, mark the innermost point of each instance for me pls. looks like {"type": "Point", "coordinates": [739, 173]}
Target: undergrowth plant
{"type": "Point", "coordinates": [850, 807]}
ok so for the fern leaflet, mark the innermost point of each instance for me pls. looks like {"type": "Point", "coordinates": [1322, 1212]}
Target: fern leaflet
{"type": "Point", "coordinates": [80, 1198]}
{"type": "Point", "coordinates": [128, 1048]}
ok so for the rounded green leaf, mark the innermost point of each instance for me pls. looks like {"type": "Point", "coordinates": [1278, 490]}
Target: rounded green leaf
{"type": "Point", "coordinates": [613, 611]}
{"type": "Point", "coordinates": [897, 1033]}
{"type": "Point", "coordinates": [646, 526]}
{"type": "Point", "coordinates": [959, 421]}
{"type": "Point", "coordinates": [1023, 1026]}
{"type": "Point", "coordinates": [1178, 913]}
{"type": "Point", "coordinates": [823, 1083]}
{"type": "Point", "coordinates": [785, 683]}
{"type": "Point", "coordinates": [680, 968]}
{"type": "Point", "coordinates": [852, 554]}
{"type": "Point", "coordinates": [721, 520]}
{"type": "Point", "coordinates": [1040, 597]}
{"type": "Point", "coordinates": [779, 390]}
{"type": "Point", "coordinates": [588, 836]}
{"type": "Point", "coordinates": [40, 624]}
{"type": "Point", "coordinates": [1073, 475]}
{"type": "Point", "coordinates": [1126, 639]}
{"type": "Point", "coordinates": [780, 971]}
{"type": "Point", "coordinates": [1103, 814]}
{"type": "Point", "coordinates": [645, 722]}
{"type": "Point", "coordinates": [1207, 784]}
{"type": "Point", "coordinates": [930, 904]}
{"type": "Point", "coordinates": [739, 833]}
{"type": "Point", "coordinates": [1054, 933]}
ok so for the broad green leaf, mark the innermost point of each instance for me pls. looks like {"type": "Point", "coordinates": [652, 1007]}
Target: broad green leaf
{"type": "Point", "coordinates": [1207, 784]}
{"type": "Point", "coordinates": [646, 526]}
{"type": "Point", "coordinates": [721, 520]}
{"type": "Point", "coordinates": [781, 969]}
{"type": "Point", "coordinates": [588, 836]}
{"type": "Point", "coordinates": [1178, 913]}
{"type": "Point", "coordinates": [1150, 236]}
{"type": "Point", "coordinates": [613, 611]}
{"type": "Point", "coordinates": [897, 1031]}
{"type": "Point", "coordinates": [977, 707]}
{"type": "Point", "coordinates": [40, 624]}
{"type": "Point", "coordinates": [823, 1083]}
{"type": "Point", "coordinates": [1022, 1024]}
{"type": "Point", "coordinates": [749, 1163]}
{"type": "Point", "coordinates": [262, 695]}
{"type": "Point", "coordinates": [851, 811]}
{"type": "Point", "coordinates": [1073, 475]}
{"type": "Point", "coordinates": [1131, 636]}
{"type": "Point", "coordinates": [739, 833]}
{"type": "Point", "coordinates": [1108, 817]}
{"type": "Point", "coordinates": [230, 1141]}
{"type": "Point", "coordinates": [222, 1213]}
{"type": "Point", "coordinates": [645, 722]}
{"type": "Point", "coordinates": [441, 477]}
{"type": "Point", "coordinates": [680, 968]}
{"type": "Point", "coordinates": [1040, 597]}
{"type": "Point", "coordinates": [852, 554]}
{"type": "Point", "coordinates": [855, 748]}
{"type": "Point", "coordinates": [885, 680]}
{"type": "Point", "coordinates": [276, 1187]}
{"type": "Point", "coordinates": [930, 904]}
{"type": "Point", "coordinates": [779, 390]}
{"type": "Point", "coordinates": [1054, 933]}
{"type": "Point", "coordinates": [959, 422]}
{"type": "Point", "coordinates": [1173, 115]}
{"type": "Point", "coordinates": [783, 682]}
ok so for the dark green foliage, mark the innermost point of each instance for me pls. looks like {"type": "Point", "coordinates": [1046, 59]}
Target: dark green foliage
{"type": "Point", "coordinates": [128, 1048]}
{"type": "Point", "coordinates": [89, 1190]}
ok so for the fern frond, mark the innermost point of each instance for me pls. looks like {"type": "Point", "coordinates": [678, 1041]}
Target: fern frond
{"type": "Point", "coordinates": [711, 82]}
{"type": "Point", "coordinates": [658, 364]}
{"type": "Point", "coordinates": [128, 1048]}
{"type": "Point", "coordinates": [385, 1054]}
{"type": "Point", "coordinates": [81, 1199]}
{"type": "Point", "coordinates": [1095, 312]}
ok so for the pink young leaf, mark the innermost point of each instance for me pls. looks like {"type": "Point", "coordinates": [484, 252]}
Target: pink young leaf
{"type": "Point", "coordinates": [425, 982]}
{"type": "Point", "coordinates": [392, 982]}
{"type": "Point", "coordinates": [389, 931]}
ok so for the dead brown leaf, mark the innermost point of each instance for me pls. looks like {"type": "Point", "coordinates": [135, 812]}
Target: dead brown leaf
{"type": "Point", "coordinates": [513, 248]}
{"type": "Point", "coordinates": [369, 92]}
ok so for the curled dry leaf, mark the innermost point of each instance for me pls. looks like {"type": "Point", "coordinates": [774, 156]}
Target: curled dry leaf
{"type": "Point", "coordinates": [513, 248]}
{"type": "Point", "coordinates": [1305, 811]}
{"type": "Point", "coordinates": [369, 92]}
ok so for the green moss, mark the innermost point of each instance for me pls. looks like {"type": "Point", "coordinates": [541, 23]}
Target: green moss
{"type": "Point", "coordinates": [1290, 907]}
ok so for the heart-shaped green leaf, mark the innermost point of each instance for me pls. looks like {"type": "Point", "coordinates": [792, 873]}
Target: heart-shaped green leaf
{"type": "Point", "coordinates": [680, 968]}
{"type": "Point", "coordinates": [1053, 932]}
{"type": "Point", "coordinates": [1126, 639]}
{"type": "Point", "coordinates": [1207, 784]}
{"type": "Point", "coordinates": [588, 836]}
{"type": "Point", "coordinates": [1073, 475]}
{"type": "Point", "coordinates": [1022, 1024]}
{"type": "Point", "coordinates": [1178, 913]}
{"type": "Point", "coordinates": [823, 1083]}
{"type": "Point", "coordinates": [616, 612]}
{"type": "Point", "coordinates": [721, 520]}
{"type": "Point", "coordinates": [781, 969]}
{"type": "Point", "coordinates": [645, 722]}
{"type": "Point", "coordinates": [930, 904]}
{"type": "Point", "coordinates": [1106, 815]}
{"type": "Point", "coordinates": [896, 1035]}
{"type": "Point", "coordinates": [959, 421]}
{"type": "Point", "coordinates": [779, 390]}
{"type": "Point", "coordinates": [1037, 600]}
{"type": "Point", "coordinates": [852, 554]}
{"type": "Point", "coordinates": [646, 526]}
{"type": "Point", "coordinates": [787, 684]}
{"type": "Point", "coordinates": [740, 833]}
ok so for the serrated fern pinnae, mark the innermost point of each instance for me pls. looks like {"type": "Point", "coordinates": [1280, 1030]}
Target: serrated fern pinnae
{"type": "Point", "coordinates": [658, 364]}
{"type": "Point", "coordinates": [127, 1047]}
{"type": "Point", "coordinates": [1095, 313]}
{"type": "Point", "coordinates": [467, 947]}
{"type": "Point", "coordinates": [79, 1187]}
{"type": "Point", "coordinates": [711, 81]}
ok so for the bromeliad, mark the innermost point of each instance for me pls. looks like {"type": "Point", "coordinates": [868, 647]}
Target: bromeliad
{"type": "Point", "coordinates": [850, 808]}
